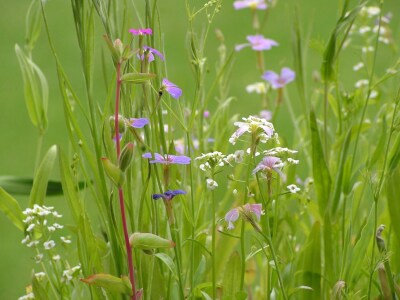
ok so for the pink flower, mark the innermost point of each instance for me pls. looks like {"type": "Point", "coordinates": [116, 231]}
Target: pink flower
{"type": "Point", "coordinates": [246, 211]}
{"type": "Point", "coordinates": [279, 81]}
{"type": "Point", "coordinates": [142, 31]}
{"type": "Point", "coordinates": [253, 4]}
{"type": "Point", "coordinates": [257, 43]}
{"type": "Point", "coordinates": [269, 164]}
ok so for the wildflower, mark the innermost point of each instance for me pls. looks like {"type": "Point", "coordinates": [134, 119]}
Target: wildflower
{"type": "Point", "coordinates": [269, 164]}
{"type": "Point", "coordinates": [246, 211]}
{"type": "Point", "coordinates": [149, 54]}
{"type": "Point", "coordinates": [58, 226]}
{"type": "Point", "coordinates": [279, 81]}
{"type": "Point", "coordinates": [27, 296]}
{"type": "Point", "coordinates": [293, 188]}
{"type": "Point", "coordinates": [364, 29]}
{"type": "Point", "coordinates": [25, 240]}
{"type": "Point", "coordinates": [361, 83]}
{"type": "Point", "coordinates": [171, 89]}
{"type": "Point", "coordinates": [69, 274]}
{"type": "Point", "coordinates": [32, 243]}
{"type": "Point", "coordinates": [65, 240]}
{"type": "Point", "coordinates": [168, 195]}
{"type": "Point", "coordinates": [279, 150]}
{"type": "Point", "coordinates": [367, 49]}
{"type": "Point", "coordinates": [211, 184]}
{"type": "Point", "coordinates": [143, 31]}
{"type": "Point", "coordinates": [51, 228]}
{"type": "Point", "coordinates": [138, 122]}
{"type": "Point", "coordinates": [212, 160]}
{"type": "Point", "coordinates": [253, 125]}
{"type": "Point", "coordinates": [257, 43]}
{"type": "Point", "coordinates": [38, 258]}
{"type": "Point", "coordinates": [167, 159]}
{"type": "Point", "coordinates": [358, 66]}
{"type": "Point", "coordinates": [30, 227]}
{"type": "Point", "coordinates": [293, 161]}
{"type": "Point", "coordinates": [253, 4]}
{"type": "Point", "coordinates": [39, 276]}
{"type": "Point", "coordinates": [56, 257]}
{"type": "Point", "coordinates": [266, 114]}
{"type": "Point", "coordinates": [49, 245]}
{"type": "Point", "coordinates": [257, 87]}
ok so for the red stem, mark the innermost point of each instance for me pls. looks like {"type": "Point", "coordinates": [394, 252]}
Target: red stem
{"type": "Point", "coordinates": [120, 192]}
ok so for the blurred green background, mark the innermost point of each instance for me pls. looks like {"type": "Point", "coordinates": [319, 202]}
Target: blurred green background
{"type": "Point", "coordinates": [18, 136]}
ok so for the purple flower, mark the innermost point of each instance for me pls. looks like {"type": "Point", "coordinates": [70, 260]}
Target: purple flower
{"type": "Point", "coordinates": [171, 88]}
{"type": "Point", "coordinates": [253, 4]}
{"type": "Point", "coordinates": [279, 81]}
{"type": "Point", "coordinates": [143, 31]}
{"type": "Point", "coordinates": [269, 164]}
{"type": "Point", "coordinates": [246, 211]}
{"type": "Point", "coordinates": [138, 123]}
{"type": "Point", "coordinates": [168, 195]}
{"type": "Point", "coordinates": [257, 43]}
{"type": "Point", "coordinates": [149, 54]}
{"type": "Point", "coordinates": [167, 159]}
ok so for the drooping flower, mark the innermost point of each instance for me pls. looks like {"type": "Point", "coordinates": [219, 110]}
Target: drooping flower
{"type": "Point", "coordinates": [167, 159]}
{"type": "Point", "coordinates": [171, 88]}
{"type": "Point", "coordinates": [246, 211]}
{"type": "Point", "coordinates": [168, 195]}
{"type": "Point", "coordinates": [257, 43]}
{"type": "Point", "coordinates": [253, 4]}
{"type": "Point", "coordinates": [279, 81]}
{"type": "Point", "coordinates": [138, 122]}
{"type": "Point", "coordinates": [253, 125]}
{"type": "Point", "coordinates": [149, 54]}
{"type": "Point", "coordinates": [269, 164]}
{"type": "Point", "coordinates": [142, 31]}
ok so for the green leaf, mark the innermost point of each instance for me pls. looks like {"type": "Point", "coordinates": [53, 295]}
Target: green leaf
{"type": "Point", "coordinates": [232, 275]}
{"type": "Point", "coordinates": [168, 262]}
{"type": "Point", "coordinates": [109, 282]}
{"type": "Point", "coordinates": [39, 189]}
{"type": "Point", "coordinates": [36, 90]}
{"type": "Point", "coordinates": [10, 207]}
{"type": "Point", "coordinates": [310, 270]}
{"type": "Point", "coordinates": [39, 290]}
{"type": "Point", "coordinates": [393, 199]}
{"type": "Point", "coordinates": [322, 179]}
{"type": "Point", "coordinates": [33, 24]}
{"type": "Point", "coordinates": [137, 77]}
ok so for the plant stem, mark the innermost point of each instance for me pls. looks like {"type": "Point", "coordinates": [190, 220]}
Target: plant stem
{"type": "Point", "coordinates": [214, 280]}
{"type": "Point", "coordinates": [120, 191]}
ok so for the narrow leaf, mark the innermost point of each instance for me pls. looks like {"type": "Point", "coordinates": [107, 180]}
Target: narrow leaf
{"type": "Point", "coordinates": [10, 207]}
{"type": "Point", "coordinates": [137, 77]}
{"type": "Point", "coordinates": [168, 262]}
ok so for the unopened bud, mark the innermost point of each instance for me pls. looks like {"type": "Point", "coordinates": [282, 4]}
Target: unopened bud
{"type": "Point", "coordinates": [118, 46]}
{"type": "Point", "coordinates": [113, 172]}
{"type": "Point", "coordinates": [109, 283]}
{"type": "Point", "coordinates": [121, 124]}
{"type": "Point", "coordinates": [148, 241]}
{"type": "Point", "coordinates": [126, 157]}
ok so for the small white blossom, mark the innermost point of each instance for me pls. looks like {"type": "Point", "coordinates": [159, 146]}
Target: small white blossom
{"type": "Point", "coordinates": [32, 243]}
{"type": "Point", "coordinates": [27, 297]}
{"type": "Point", "coordinates": [370, 11]}
{"type": "Point", "coordinates": [211, 184]}
{"type": "Point", "coordinates": [39, 276]}
{"type": "Point", "coordinates": [279, 150]}
{"type": "Point", "coordinates": [364, 29]}
{"type": "Point", "coordinates": [358, 66]}
{"type": "Point", "coordinates": [235, 192]}
{"type": "Point", "coordinates": [367, 49]}
{"type": "Point", "coordinates": [239, 154]}
{"type": "Point", "coordinates": [258, 87]}
{"type": "Point", "coordinates": [391, 71]}
{"type": "Point", "coordinates": [70, 273]}
{"type": "Point", "coordinates": [56, 257]}
{"type": "Point", "coordinates": [58, 226]}
{"type": "Point", "coordinates": [29, 219]}
{"type": "Point", "coordinates": [30, 227]}
{"type": "Point", "coordinates": [384, 40]}
{"type": "Point", "coordinates": [65, 240]}
{"type": "Point", "coordinates": [49, 245]}
{"type": "Point", "coordinates": [25, 240]}
{"type": "Point", "coordinates": [293, 161]}
{"type": "Point", "coordinates": [361, 82]}
{"type": "Point", "coordinates": [373, 94]}
{"type": "Point", "coordinates": [248, 150]}
{"type": "Point", "coordinates": [293, 188]}
{"type": "Point", "coordinates": [56, 214]}
{"type": "Point", "coordinates": [263, 128]}
{"type": "Point", "coordinates": [38, 258]}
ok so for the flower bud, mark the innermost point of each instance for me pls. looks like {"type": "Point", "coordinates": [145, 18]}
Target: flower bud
{"type": "Point", "coordinates": [110, 283]}
{"type": "Point", "coordinates": [121, 124]}
{"type": "Point", "coordinates": [148, 241]}
{"type": "Point", "coordinates": [126, 157]}
{"type": "Point", "coordinates": [113, 172]}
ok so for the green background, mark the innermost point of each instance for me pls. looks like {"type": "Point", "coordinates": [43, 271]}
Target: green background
{"type": "Point", "coordinates": [18, 137]}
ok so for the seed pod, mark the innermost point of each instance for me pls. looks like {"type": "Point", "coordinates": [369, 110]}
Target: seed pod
{"type": "Point", "coordinates": [113, 172]}
{"type": "Point", "coordinates": [126, 157]}
{"type": "Point", "coordinates": [148, 241]}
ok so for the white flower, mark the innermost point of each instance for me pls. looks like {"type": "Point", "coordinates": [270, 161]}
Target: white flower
{"type": "Point", "coordinates": [358, 66]}
{"type": "Point", "coordinates": [255, 154]}
{"type": "Point", "coordinates": [257, 87]}
{"type": "Point", "coordinates": [58, 226]}
{"type": "Point", "coordinates": [391, 71]}
{"type": "Point", "coordinates": [49, 245]}
{"type": "Point", "coordinates": [211, 184]}
{"type": "Point", "coordinates": [27, 297]}
{"type": "Point", "coordinates": [253, 124]}
{"type": "Point", "coordinates": [293, 188]}
{"type": "Point", "coordinates": [373, 94]}
{"type": "Point", "coordinates": [367, 49]}
{"type": "Point", "coordinates": [39, 276]}
{"type": "Point", "coordinates": [56, 214]}
{"type": "Point", "coordinates": [235, 192]}
{"type": "Point", "coordinates": [38, 258]}
{"type": "Point", "coordinates": [56, 257]}
{"type": "Point", "coordinates": [30, 227]}
{"type": "Point", "coordinates": [239, 154]}
{"type": "Point", "coordinates": [373, 10]}
{"type": "Point", "coordinates": [65, 240]}
{"type": "Point", "coordinates": [28, 219]}
{"type": "Point", "coordinates": [70, 273]}
{"type": "Point", "coordinates": [25, 240]}
{"type": "Point", "coordinates": [51, 228]}
{"type": "Point", "coordinates": [32, 243]}
{"type": "Point", "coordinates": [384, 40]}
{"type": "Point", "coordinates": [361, 83]}
{"type": "Point", "coordinates": [364, 29]}
{"type": "Point", "coordinates": [279, 150]}
{"type": "Point", "coordinates": [293, 161]}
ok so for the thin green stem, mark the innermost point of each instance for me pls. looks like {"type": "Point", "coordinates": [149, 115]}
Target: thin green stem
{"type": "Point", "coordinates": [214, 280]}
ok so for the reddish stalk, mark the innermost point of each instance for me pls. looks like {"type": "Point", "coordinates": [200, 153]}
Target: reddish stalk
{"type": "Point", "coordinates": [120, 192]}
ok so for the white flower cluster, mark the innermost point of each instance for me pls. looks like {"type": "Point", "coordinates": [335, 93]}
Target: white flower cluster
{"type": "Point", "coordinates": [263, 129]}
{"type": "Point", "coordinates": [212, 160]}
{"type": "Point", "coordinates": [237, 157]}
{"type": "Point", "coordinates": [71, 273]}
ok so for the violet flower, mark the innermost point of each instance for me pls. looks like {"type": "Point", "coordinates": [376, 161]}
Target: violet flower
{"type": "Point", "coordinates": [279, 81]}
{"type": "Point", "coordinates": [257, 43]}
{"type": "Point", "coordinates": [269, 164]}
{"type": "Point", "coordinates": [149, 54]}
{"type": "Point", "coordinates": [246, 211]}
{"type": "Point", "coordinates": [253, 4]}
{"type": "Point", "coordinates": [142, 31]}
{"type": "Point", "coordinates": [171, 88]}
{"type": "Point", "coordinates": [167, 159]}
{"type": "Point", "coordinates": [138, 122]}
{"type": "Point", "coordinates": [168, 195]}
